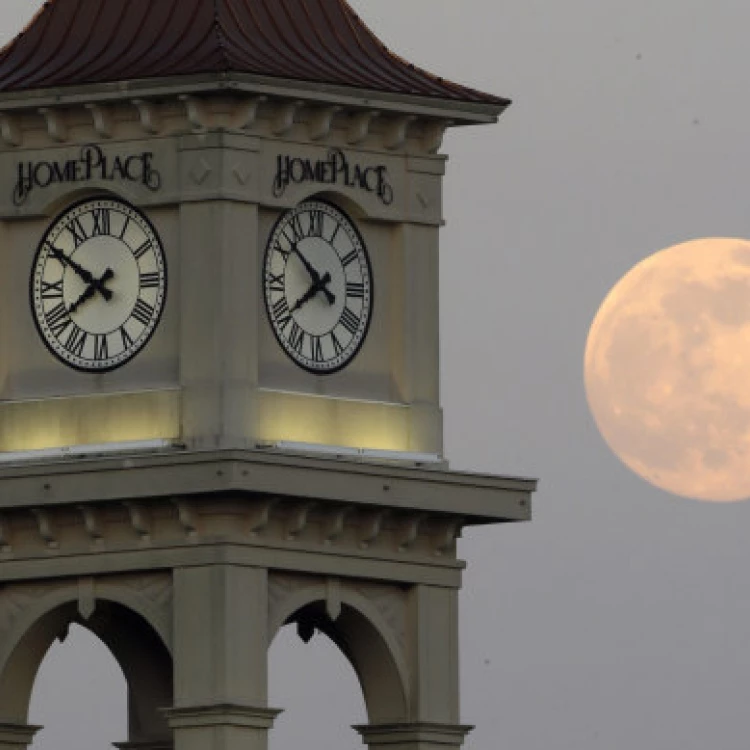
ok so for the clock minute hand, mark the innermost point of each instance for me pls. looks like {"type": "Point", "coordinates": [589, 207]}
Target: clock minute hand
{"type": "Point", "coordinates": [318, 286]}
{"type": "Point", "coordinates": [92, 288]}
{"type": "Point", "coordinates": [87, 276]}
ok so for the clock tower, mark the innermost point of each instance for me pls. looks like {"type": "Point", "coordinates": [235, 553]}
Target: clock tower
{"type": "Point", "coordinates": [219, 362]}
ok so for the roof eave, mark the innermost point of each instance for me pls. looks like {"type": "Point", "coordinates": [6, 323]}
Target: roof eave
{"type": "Point", "coordinates": [455, 112]}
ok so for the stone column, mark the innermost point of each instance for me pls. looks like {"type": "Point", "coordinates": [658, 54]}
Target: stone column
{"type": "Point", "coordinates": [432, 637]}
{"type": "Point", "coordinates": [220, 659]}
{"type": "Point", "coordinates": [414, 736]}
{"type": "Point", "coordinates": [16, 736]}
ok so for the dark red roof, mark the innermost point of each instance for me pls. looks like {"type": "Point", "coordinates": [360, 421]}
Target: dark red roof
{"type": "Point", "coordinates": [100, 41]}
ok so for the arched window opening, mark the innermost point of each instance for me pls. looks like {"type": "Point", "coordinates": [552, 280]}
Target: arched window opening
{"type": "Point", "coordinates": [79, 696]}
{"type": "Point", "coordinates": [317, 688]}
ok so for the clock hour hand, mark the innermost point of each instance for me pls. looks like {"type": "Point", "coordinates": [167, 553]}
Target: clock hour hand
{"type": "Point", "coordinates": [87, 276]}
{"type": "Point", "coordinates": [96, 285]}
{"type": "Point", "coordinates": [315, 276]}
{"type": "Point", "coordinates": [318, 286]}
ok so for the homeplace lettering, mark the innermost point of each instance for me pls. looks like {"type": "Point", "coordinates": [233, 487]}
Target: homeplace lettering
{"type": "Point", "coordinates": [334, 170]}
{"type": "Point", "coordinates": [92, 164]}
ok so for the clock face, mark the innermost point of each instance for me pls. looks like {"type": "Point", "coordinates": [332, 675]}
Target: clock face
{"type": "Point", "coordinates": [318, 286]}
{"type": "Point", "coordinates": [98, 284]}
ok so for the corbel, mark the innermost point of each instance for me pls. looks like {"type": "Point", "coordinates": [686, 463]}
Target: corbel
{"type": "Point", "coordinates": [148, 115]}
{"type": "Point", "coordinates": [86, 597]}
{"type": "Point", "coordinates": [139, 521]}
{"type": "Point", "coordinates": [298, 520]}
{"type": "Point", "coordinates": [5, 540]}
{"type": "Point", "coordinates": [334, 526]}
{"type": "Point", "coordinates": [196, 112]}
{"type": "Point", "coordinates": [284, 119]}
{"type": "Point", "coordinates": [395, 133]}
{"type": "Point", "coordinates": [333, 598]}
{"type": "Point", "coordinates": [92, 523]}
{"type": "Point", "coordinates": [359, 127]}
{"type": "Point", "coordinates": [434, 132]}
{"type": "Point", "coordinates": [260, 516]}
{"type": "Point", "coordinates": [55, 124]}
{"type": "Point", "coordinates": [103, 121]}
{"type": "Point", "coordinates": [247, 114]}
{"type": "Point", "coordinates": [10, 130]}
{"type": "Point", "coordinates": [408, 530]}
{"type": "Point", "coordinates": [45, 527]}
{"type": "Point", "coordinates": [446, 533]}
{"type": "Point", "coordinates": [370, 528]}
{"type": "Point", "coordinates": [319, 125]}
{"type": "Point", "coordinates": [187, 517]}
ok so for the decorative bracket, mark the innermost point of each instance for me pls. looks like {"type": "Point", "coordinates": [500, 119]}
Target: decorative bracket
{"type": "Point", "coordinates": [298, 520]}
{"type": "Point", "coordinates": [86, 597]}
{"type": "Point", "coordinates": [247, 114]}
{"type": "Point", "coordinates": [140, 521]}
{"type": "Point", "coordinates": [187, 516]}
{"type": "Point", "coordinates": [196, 113]}
{"type": "Point", "coordinates": [46, 530]}
{"type": "Point", "coordinates": [372, 525]}
{"type": "Point", "coordinates": [5, 542]}
{"type": "Point", "coordinates": [333, 598]}
{"type": "Point", "coordinates": [334, 526]}
{"type": "Point", "coordinates": [395, 134]}
{"type": "Point", "coordinates": [10, 130]}
{"type": "Point", "coordinates": [359, 127]}
{"type": "Point", "coordinates": [408, 529]}
{"type": "Point", "coordinates": [434, 132]}
{"type": "Point", "coordinates": [92, 522]}
{"type": "Point", "coordinates": [55, 124]}
{"type": "Point", "coordinates": [445, 536]}
{"type": "Point", "coordinates": [320, 123]}
{"type": "Point", "coordinates": [260, 516]}
{"type": "Point", "coordinates": [149, 116]}
{"type": "Point", "coordinates": [284, 119]}
{"type": "Point", "coordinates": [103, 122]}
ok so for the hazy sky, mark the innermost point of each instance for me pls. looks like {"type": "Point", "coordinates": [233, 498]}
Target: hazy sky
{"type": "Point", "coordinates": [619, 618]}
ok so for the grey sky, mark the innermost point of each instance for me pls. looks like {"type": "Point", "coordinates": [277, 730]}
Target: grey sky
{"type": "Point", "coordinates": [620, 617]}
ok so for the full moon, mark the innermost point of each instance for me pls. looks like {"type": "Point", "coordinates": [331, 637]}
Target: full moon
{"type": "Point", "coordinates": [667, 369]}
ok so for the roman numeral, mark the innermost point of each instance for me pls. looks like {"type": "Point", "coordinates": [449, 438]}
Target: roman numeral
{"type": "Point", "coordinates": [102, 221]}
{"type": "Point", "coordinates": [150, 280]}
{"type": "Point", "coordinates": [53, 290]}
{"type": "Point", "coordinates": [125, 227]}
{"type": "Point", "coordinates": [335, 232]}
{"type": "Point", "coordinates": [355, 289]}
{"type": "Point", "coordinates": [101, 347]}
{"type": "Point", "coordinates": [274, 283]}
{"type": "Point", "coordinates": [316, 224]}
{"type": "Point", "coordinates": [316, 348]}
{"type": "Point", "coordinates": [127, 342]}
{"type": "Point", "coordinates": [297, 338]}
{"type": "Point", "coordinates": [349, 258]}
{"type": "Point", "coordinates": [295, 224]}
{"type": "Point", "coordinates": [142, 312]}
{"type": "Point", "coordinates": [143, 249]}
{"type": "Point", "coordinates": [281, 313]}
{"type": "Point", "coordinates": [336, 345]}
{"type": "Point", "coordinates": [77, 232]}
{"type": "Point", "coordinates": [349, 320]}
{"type": "Point", "coordinates": [278, 249]}
{"type": "Point", "coordinates": [58, 319]}
{"type": "Point", "coordinates": [76, 341]}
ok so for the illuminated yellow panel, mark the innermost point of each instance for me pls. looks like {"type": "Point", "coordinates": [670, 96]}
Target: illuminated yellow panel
{"type": "Point", "coordinates": [87, 420]}
{"type": "Point", "coordinates": [332, 421]}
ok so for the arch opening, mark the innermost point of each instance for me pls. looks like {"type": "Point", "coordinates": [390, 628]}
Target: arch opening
{"type": "Point", "coordinates": [140, 653]}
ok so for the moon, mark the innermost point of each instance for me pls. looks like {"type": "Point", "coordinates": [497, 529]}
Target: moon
{"type": "Point", "coordinates": [667, 369]}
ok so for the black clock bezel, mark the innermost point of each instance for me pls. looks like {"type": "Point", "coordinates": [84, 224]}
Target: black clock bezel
{"type": "Point", "coordinates": [40, 246]}
{"type": "Point", "coordinates": [366, 329]}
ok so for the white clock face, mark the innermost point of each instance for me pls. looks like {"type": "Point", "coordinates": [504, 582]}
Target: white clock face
{"type": "Point", "coordinates": [318, 286]}
{"type": "Point", "coordinates": [98, 284]}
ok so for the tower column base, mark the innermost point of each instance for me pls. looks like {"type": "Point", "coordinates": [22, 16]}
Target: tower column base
{"type": "Point", "coordinates": [221, 727]}
{"type": "Point", "coordinates": [413, 736]}
{"type": "Point", "coordinates": [16, 736]}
